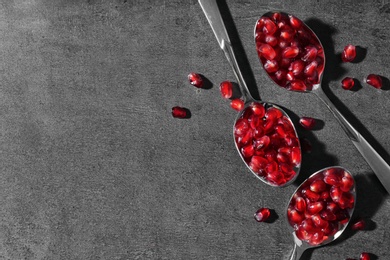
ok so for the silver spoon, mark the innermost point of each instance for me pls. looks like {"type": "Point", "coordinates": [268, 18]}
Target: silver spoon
{"type": "Point", "coordinates": [301, 245]}
{"type": "Point", "coordinates": [213, 15]}
{"type": "Point", "coordinates": [376, 162]}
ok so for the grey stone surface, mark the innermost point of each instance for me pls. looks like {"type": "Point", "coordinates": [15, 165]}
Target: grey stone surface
{"type": "Point", "coordinates": [93, 166]}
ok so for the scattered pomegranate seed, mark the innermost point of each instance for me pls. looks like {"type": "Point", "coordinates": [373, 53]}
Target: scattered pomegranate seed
{"type": "Point", "coordinates": [195, 79]}
{"type": "Point", "coordinates": [290, 46]}
{"type": "Point", "coordinates": [265, 134]}
{"type": "Point", "coordinates": [359, 225]}
{"type": "Point", "coordinates": [237, 104]}
{"type": "Point", "coordinates": [180, 112]}
{"type": "Point", "coordinates": [318, 210]}
{"type": "Point", "coordinates": [374, 80]}
{"type": "Point", "coordinates": [307, 122]}
{"type": "Point", "coordinates": [226, 89]}
{"type": "Point", "coordinates": [364, 256]}
{"type": "Point", "coordinates": [349, 53]}
{"type": "Point", "coordinates": [347, 83]}
{"type": "Point", "coordinates": [262, 214]}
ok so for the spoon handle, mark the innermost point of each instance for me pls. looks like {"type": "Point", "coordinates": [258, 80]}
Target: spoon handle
{"type": "Point", "coordinates": [213, 15]}
{"type": "Point", "coordinates": [376, 162]}
{"type": "Point", "coordinates": [296, 253]}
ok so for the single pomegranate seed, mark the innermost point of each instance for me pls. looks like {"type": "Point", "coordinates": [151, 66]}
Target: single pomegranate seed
{"type": "Point", "coordinates": [295, 22]}
{"type": "Point", "coordinates": [226, 89]}
{"type": "Point", "coordinates": [312, 196]}
{"type": "Point", "coordinates": [359, 225]}
{"type": "Point", "coordinates": [294, 216]}
{"type": "Point", "coordinates": [195, 79]}
{"type": "Point", "coordinates": [328, 215]}
{"type": "Point", "coordinates": [364, 256]}
{"type": "Point", "coordinates": [310, 53]}
{"type": "Point", "coordinates": [374, 80]}
{"type": "Point", "coordinates": [254, 121]}
{"type": "Point", "coordinates": [241, 127]}
{"type": "Point", "coordinates": [335, 193]}
{"type": "Point", "coordinates": [296, 156]}
{"type": "Point", "coordinates": [318, 186]}
{"type": "Point", "coordinates": [290, 52]}
{"type": "Point", "coordinates": [259, 162]}
{"type": "Point", "coordinates": [271, 40]}
{"type": "Point", "coordinates": [262, 214]}
{"type": "Point", "coordinates": [237, 104]}
{"type": "Point", "coordinates": [347, 83]}
{"type": "Point", "coordinates": [267, 51]}
{"type": "Point", "coordinates": [258, 109]}
{"type": "Point", "coordinates": [300, 204]}
{"type": "Point", "coordinates": [276, 178]}
{"type": "Point", "coordinates": [247, 151]}
{"type": "Point", "coordinates": [287, 34]}
{"type": "Point", "coordinates": [297, 85]}
{"type": "Point", "coordinates": [262, 142]}
{"type": "Point", "coordinates": [349, 53]}
{"type": "Point", "coordinates": [179, 112]}
{"type": "Point", "coordinates": [307, 122]}
{"type": "Point", "coordinates": [346, 182]}
{"type": "Point", "coordinates": [315, 207]}
{"type": "Point", "coordinates": [297, 67]}
{"type": "Point", "coordinates": [271, 66]}
{"type": "Point", "coordinates": [317, 238]}
{"type": "Point", "coordinates": [347, 201]}
{"type": "Point", "coordinates": [269, 26]}
{"type": "Point", "coordinates": [246, 138]}
{"type": "Point", "coordinates": [311, 69]}
{"type": "Point", "coordinates": [273, 113]}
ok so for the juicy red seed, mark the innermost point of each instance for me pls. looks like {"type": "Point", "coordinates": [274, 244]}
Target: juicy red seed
{"type": "Point", "coordinates": [347, 201]}
{"type": "Point", "coordinates": [313, 196]}
{"type": "Point", "coordinates": [290, 76]}
{"type": "Point", "coordinates": [271, 167]}
{"type": "Point", "coordinates": [347, 83]}
{"type": "Point", "coordinates": [311, 69]}
{"type": "Point", "coordinates": [258, 132]}
{"type": "Point", "coordinates": [195, 79]}
{"type": "Point", "coordinates": [179, 112]}
{"type": "Point", "coordinates": [328, 215]}
{"type": "Point", "coordinates": [335, 193]}
{"type": "Point", "coordinates": [273, 113]}
{"type": "Point", "coordinates": [347, 183]}
{"type": "Point", "coordinates": [287, 34]}
{"type": "Point", "coordinates": [349, 53]}
{"type": "Point", "coordinates": [315, 207]}
{"type": "Point", "coordinates": [294, 216]}
{"type": "Point", "coordinates": [241, 127]}
{"type": "Point", "coordinates": [262, 214]}
{"type": "Point", "coordinates": [262, 142]}
{"type": "Point", "coordinates": [359, 225]}
{"type": "Point", "coordinates": [290, 52]}
{"type": "Point", "coordinates": [271, 40]}
{"type": "Point", "coordinates": [318, 186]}
{"type": "Point", "coordinates": [258, 109]}
{"type": "Point", "coordinates": [271, 66]}
{"type": "Point", "coordinates": [254, 121]}
{"type": "Point", "coordinates": [259, 162]}
{"type": "Point", "coordinates": [276, 178]}
{"type": "Point", "coordinates": [319, 222]}
{"type": "Point", "coordinates": [281, 131]}
{"type": "Point", "coordinates": [297, 85]}
{"type": "Point", "coordinates": [307, 122]}
{"type": "Point", "coordinates": [310, 53]}
{"type": "Point", "coordinates": [282, 158]}
{"type": "Point", "coordinates": [295, 22]}
{"type": "Point", "coordinates": [296, 156]}
{"type": "Point", "coordinates": [364, 256]}
{"type": "Point", "coordinates": [226, 89]}
{"type": "Point", "coordinates": [269, 26]}
{"type": "Point", "coordinates": [374, 80]}
{"type": "Point", "coordinates": [247, 151]}
{"type": "Point", "coordinates": [300, 204]}
{"type": "Point", "coordinates": [237, 104]}
{"type": "Point", "coordinates": [246, 138]}
{"type": "Point", "coordinates": [297, 67]}
{"type": "Point", "coordinates": [267, 51]}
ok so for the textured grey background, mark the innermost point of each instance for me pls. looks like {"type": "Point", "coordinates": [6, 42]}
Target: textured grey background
{"type": "Point", "coordinates": [93, 166]}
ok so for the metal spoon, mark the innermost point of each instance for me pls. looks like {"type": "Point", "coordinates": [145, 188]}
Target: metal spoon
{"type": "Point", "coordinates": [299, 245]}
{"type": "Point", "coordinates": [213, 15]}
{"type": "Point", "coordinates": [376, 162]}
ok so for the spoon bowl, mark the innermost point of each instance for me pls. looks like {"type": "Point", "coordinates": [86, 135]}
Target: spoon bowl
{"type": "Point", "coordinates": [294, 58]}
{"type": "Point", "coordinates": [262, 130]}
{"type": "Point", "coordinates": [321, 208]}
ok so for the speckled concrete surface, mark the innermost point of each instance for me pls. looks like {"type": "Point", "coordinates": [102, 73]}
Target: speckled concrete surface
{"type": "Point", "coordinates": [93, 166]}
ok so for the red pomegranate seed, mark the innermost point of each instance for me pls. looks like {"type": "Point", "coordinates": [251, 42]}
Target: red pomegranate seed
{"type": "Point", "coordinates": [271, 40]}
{"type": "Point", "coordinates": [328, 215]}
{"type": "Point", "coordinates": [359, 225]}
{"type": "Point", "coordinates": [226, 89]}
{"type": "Point", "coordinates": [269, 26]}
{"type": "Point", "coordinates": [273, 113]}
{"type": "Point", "coordinates": [271, 66]}
{"type": "Point", "coordinates": [276, 178]}
{"type": "Point", "coordinates": [259, 162]}
{"type": "Point", "coordinates": [318, 186]}
{"type": "Point", "coordinates": [247, 151]}
{"type": "Point", "coordinates": [296, 156]}
{"type": "Point", "coordinates": [317, 238]}
{"type": "Point", "coordinates": [287, 34]}
{"type": "Point", "coordinates": [310, 53]}
{"type": "Point", "coordinates": [246, 138]}
{"type": "Point", "coordinates": [347, 83]}
{"type": "Point", "coordinates": [241, 127]}
{"type": "Point", "coordinates": [307, 122]}
{"type": "Point", "coordinates": [267, 51]}
{"type": "Point", "coordinates": [300, 204]}
{"type": "Point", "coordinates": [319, 222]}
{"type": "Point", "coordinates": [335, 193]}
{"type": "Point", "coordinates": [311, 69]}
{"type": "Point", "coordinates": [374, 80]}
{"type": "Point", "coordinates": [258, 109]}
{"type": "Point", "coordinates": [262, 214]}
{"type": "Point", "coordinates": [313, 196]}
{"type": "Point", "coordinates": [237, 104]}
{"type": "Point", "coordinates": [195, 79]}
{"type": "Point", "coordinates": [297, 85]}
{"type": "Point", "coordinates": [262, 142]}
{"type": "Point", "coordinates": [295, 22]}
{"type": "Point", "coordinates": [179, 112]}
{"type": "Point", "coordinates": [364, 256]}
{"type": "Point", "coordinates": [315, 207]}
{"type": "Point", "coordinates": [290, 52]}
{"type": "Point", "coordinates": [346, 182]}
{"type": "Point", "coordinates": [349, 53]}
{"type": "Point", "coordinates": [297, 67]}
{"type": "Point", "coordinates": [294, 216]}
{"type": "Point", "coordinates": [271, 167]}
{"type": "Point", "coordinates": [347, 201]}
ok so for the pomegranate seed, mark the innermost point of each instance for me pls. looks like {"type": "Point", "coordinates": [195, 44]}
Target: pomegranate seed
{"type": "Point", "coordinates": [262, 142]}
{"type": "Point", "coordinates": [271, 40]}
{"type": "Point", "coordinates": [346, 182]}
{"type": "Point", "coordinates": [312, 196]}
{"type": "Point", "coordinates": [241, 127]}
{"type": "Point", "coordinates": [300, 204]}
{"type": "Point", "coordinates": [347, 83]}
{"type": "Point", "coordinates": [349, 53]}
{"type": "Point", "coordinates": [226, 89]}
{"type": "Point", "coordinates": [195, 79]}
{"type": "Point", "coordinates": [258, 109]}
{"type": "Point", "coordinates": [267, 51]}
{"type": "Point", "coordinates": [290, 52]}
{"type": "Point", "coordinates": [287, 34]}
{"type": "Point", "coordinates": [294, 216]}
{"type": "Point", "coordinates": [328, 215]}
{"type": "Point", "coordinates": [364, 256]}
{"type": "Point", "coordinates": [318, 186]}
{"type": "Point", "coordinates": [310, 53]}
{"type": "Point", "coordinates": [359, 225]}
{"type": "Point", "coordinates": [271, 167]}
{"type": "Point", "coordinates": [180, 112]}
{"type": "Point", "coordinates": [296, 156]}
{"type": "Point", "coordinates": [246, 138]}
{"type": "Point", "coordinates": [319, 222]}
{"type": "Point", "coordinates": [311, 69]}
{"type": "Point", "coordinates": [273, 113]}
{"type": "Point", "coordinates": [262, 214]}
{"type": "Point", "coordinates": [335, 193]}
{"type": "Point", "coordinates": [374, 80]}
{"type": "Point", "coordinates": [347, 201]}
{"type": "Point", "coordinates": [271, 66]}
{"type": "Point", "coordinates": [247, 151]}
{"type": "Point", "coordinates": [295, 22]}
{"type": "Point", "coordinates": [315, 207]}
{"type": "Point", "coordinates": [307, 122]}
{"type": "Point", "coordinates": [297, 67]}
{"type": "Point", "coordinates": [297, 85]}
{"type": "Point", "coordinates": [276, 178]}
{"type": "Point", "coordinates": [259, 162]}
{"type": "Point", "coordinates": [269, 26]}
{"type": "Point", "coordinates": [237, 104]}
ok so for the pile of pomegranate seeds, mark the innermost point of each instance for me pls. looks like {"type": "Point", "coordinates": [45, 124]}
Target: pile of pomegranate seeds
{"type": "Point", "coordinates": [262, 214]}
{"type": "Point", "coordinates": [268, 143]}
{"type": "Point", "coordinates": [307, 122]}
{"type": "Point", "coordinates": [349, 53]}
{"type": "Point", "coordinates": [322, 205]}
{"type": "Point", "coordinates": [347, 83]}
{"type": "Point", "coordinates": [180, 112]}
{"type": "Point", "coordinates": [289, 51]}
{"type": "Point", "coordinates": [226, 89]}
{"type": "Point", "coordinates": [195, 79]}
{"type": "Point", "coordinates": [374, 80]}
